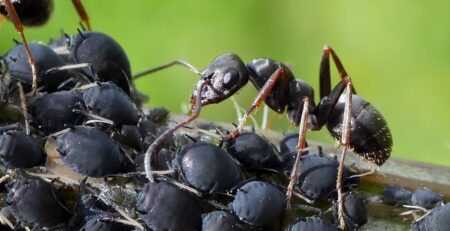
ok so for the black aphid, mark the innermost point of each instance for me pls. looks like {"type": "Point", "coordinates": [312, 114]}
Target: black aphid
{"type": "Point", "coordinates": [208, 168]}
{"type": "Point", "coordinates": [35, 202]}
{"type": "Point", "coordinates": [163, 206]}
{"type": "Point", "coordinates": [259, 203]}
{"type": "Point", "coordinates": [19, 150]}
{"type": "Point", "coordinates": [91, 152]}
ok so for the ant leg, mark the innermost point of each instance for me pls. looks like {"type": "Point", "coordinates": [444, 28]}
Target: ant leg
{"type": "Point", "coordinates": [167, 65]}
{"type": "Point", "coordinates": [263, 93]}
{"type": "Point", "coordinates": [345, 140]}
{"type": "Point", "coordinates": [23, 104]}
{"type": "Point", "coordinates": [325, 81]}
{"type": "Point", "coordinates": [300, 147]}
{"type": "Point", "coordinates": [154, 147]}
{"type": "Point", "coordinates": [82, 13]}
{"type": "Point", "coordinates": [12, 14]}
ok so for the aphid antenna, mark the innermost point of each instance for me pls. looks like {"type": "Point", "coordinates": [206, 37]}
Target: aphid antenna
{"type": "Point", "coordinates": [95, 118]}
{"type": "Point", "coordinates": [61, 50]}
{"type": "Point", "coordinates": [63, 84]}
{"type": "Point", "coordinates": [298, 195]}
{"type": "Point", "coordinates": [5, 220]}
{"type": "Point", "coordinates": [370, 172]}
{"type": "Point", "coordinates": [182, 186]}
{"type": "Point", "coordinates": [219, 205]}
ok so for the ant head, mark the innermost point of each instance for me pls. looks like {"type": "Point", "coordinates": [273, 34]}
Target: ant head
{"type": "Point", "coordinates": [224, 77]}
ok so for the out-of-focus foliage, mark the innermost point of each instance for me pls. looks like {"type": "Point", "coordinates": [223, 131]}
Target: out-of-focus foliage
{"type": "Point", "coordinates": [397, 52]}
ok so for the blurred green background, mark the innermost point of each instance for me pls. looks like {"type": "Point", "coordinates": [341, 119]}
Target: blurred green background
{"type": "Point", "coordinates": [397, 52]}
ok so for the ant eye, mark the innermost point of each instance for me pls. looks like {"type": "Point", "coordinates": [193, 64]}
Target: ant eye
{"type": "Point", "coordinates": [230, 78]}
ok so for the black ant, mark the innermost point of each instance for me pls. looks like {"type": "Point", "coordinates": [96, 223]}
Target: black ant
{"type": "Point", "coordinates": [352, 120]}
{"type": "Point", "coordinates": [34, 13]}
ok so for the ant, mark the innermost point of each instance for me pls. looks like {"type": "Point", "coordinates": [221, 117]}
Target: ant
{"type": "Point", "coordinates": [34, 13]}
{"type": "Point", "coordinates": [350, 119]}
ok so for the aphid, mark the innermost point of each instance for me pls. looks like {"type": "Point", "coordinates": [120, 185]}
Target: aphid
{"type": "Point", "coordinates": [437, 220]}
{"type": "Point", "coordinates": [109, 61]}
{"type": "Point", "coordinates": [222, 221]}
{"type": "Point", "coordinates": [19, 150]}
{"type": "Point", "coordinates": [425, 198]}
{"type": "Point", "coordinates": [355, 211]}
{"type": "Point", "coordinates": [163, 206]}
{"type": "Point", "coordinates": [35, 202]}
{"type": "Point", "coordinates": [33, 12]}
{"type": "Point", "coordinates": [395, 195]}
{"type": "Point", "coordinates": [317, 177]}
{"type": "Point", "coordinates": [130, 136]}
{"type": "Point", "coordinates": [253, 151]}
{"type": "Point", "coordinates": [38, 12]}
{"type": "Point", "coordinates": [91, 152]}
{"type": "Point", "coordinates": [208, 168]}
{"type": "Point", "coordinates": [158, 115]}
{"type": "Point", "coordinates": [55, 111]}
{"type": "Point", "coordinates": [109, 101]}
{"type": "Point", "coordinates": [313, 224]}
{"type": "Point", "coordinates": [15, 68]}
{"type": "Point", "coordinates": [358, 126]}
{"type": "Point", "coordinates": [259, 203]}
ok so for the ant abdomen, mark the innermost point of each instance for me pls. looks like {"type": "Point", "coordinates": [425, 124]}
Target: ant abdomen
{"type": "Point", "coordinates": [370, 134]}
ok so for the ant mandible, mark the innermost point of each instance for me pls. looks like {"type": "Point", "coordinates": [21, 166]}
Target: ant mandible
{"type": "Point", "coordinates": [350, 119]}
{"type": "Point", "coordinates": [34, 13]}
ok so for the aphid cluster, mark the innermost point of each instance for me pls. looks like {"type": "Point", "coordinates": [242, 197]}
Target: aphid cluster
{"type": "Point", "coordinates": [75, 141]}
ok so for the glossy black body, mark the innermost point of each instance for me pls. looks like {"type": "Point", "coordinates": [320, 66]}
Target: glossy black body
{"type": "Point", "coordinates": [208, 168]}
{"type": "Point", "coordinates": [313, 224]}
{"type": "Point", "coordinates": [370, 136]}
{"type": "Point", "coordinates": [18, 150]}
{"type": "Point", "coordinates": [111, 102]}
{"type": "Point", "coordinates": [17, 67]}
{"type": "Point", "coordinates": [109, 61]}
{"type": "Point", "coordinates": [163, 206]}
{"type": "Point", "coordinates": [253, 151]}
{"type": "Point", "coordinates": [226, 74]}
{"type": "Point", "coordinates": [36, 203]}
{"type": "Point", "coordinates": [32, 12]}
{"type": "Point", "coordinates": [259, 203]}
{"type": "Point", "coordinates": [287, 94]}
{"type": "Point", "coordinates": [90, 151]}
{"type": "Point", "coordinates": [54, 112]}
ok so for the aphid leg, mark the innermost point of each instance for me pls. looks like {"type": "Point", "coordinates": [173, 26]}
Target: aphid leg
{"type": "Point", "coordinates": [82, 13]}
{"type": "Point", "coordinates": [300, 147]}
{"type": "Point", "coordinates": [12, 14]}
{"type": "Point", "coordinates": [155, 146]}
{"type": "Point", "coordinates": [167, 65]}
{"type": "Point", "coordinates": [263, 93]}
{"type": "Point", "coordinates": [68, 67]}
{"type": "Point", "coordinates": [345, 140]}
{"type": "Point", "coordinates": [23, 104]}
